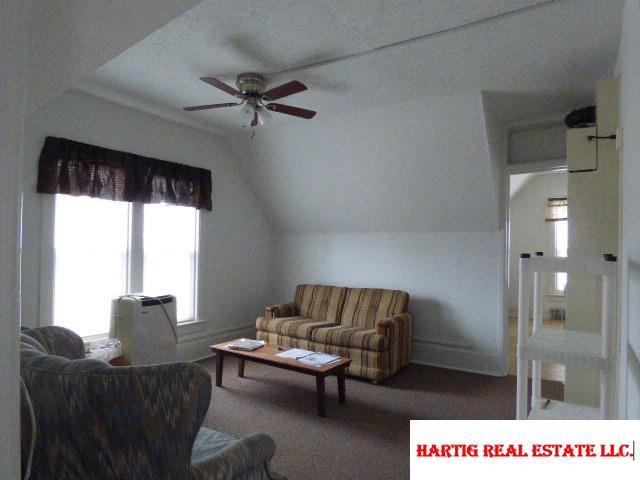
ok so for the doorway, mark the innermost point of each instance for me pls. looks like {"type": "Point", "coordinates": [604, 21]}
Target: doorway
{"type": "Point", "coordinates": [537, 222]}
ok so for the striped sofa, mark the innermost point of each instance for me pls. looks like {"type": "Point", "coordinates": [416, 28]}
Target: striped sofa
{"type": "Point", "coordinates": [371, 326]}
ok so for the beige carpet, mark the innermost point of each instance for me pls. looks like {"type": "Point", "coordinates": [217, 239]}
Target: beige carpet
{"type": "Point", "coordinates": [366, 439]}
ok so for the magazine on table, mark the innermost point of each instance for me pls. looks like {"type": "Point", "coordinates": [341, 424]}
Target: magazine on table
{"type": "Point", "coordinates": [246, 344]}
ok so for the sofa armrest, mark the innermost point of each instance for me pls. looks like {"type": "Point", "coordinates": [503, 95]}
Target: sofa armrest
{"type": "Point", "coordinates": [397, 329]}
{"type": "Point", "coordinates": [246, 455]}
{"type": "Point", "coordinates": [384, 326]}
{"type": "Point", "coordinates": [282, 310]}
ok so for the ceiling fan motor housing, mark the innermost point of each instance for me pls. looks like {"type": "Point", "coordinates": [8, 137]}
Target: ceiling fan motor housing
{"type": "Point", "coordinates": [251, 83]}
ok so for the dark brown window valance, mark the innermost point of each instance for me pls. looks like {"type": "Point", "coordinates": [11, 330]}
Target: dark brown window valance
{"type": "Point", "coordinates": [76, 168]}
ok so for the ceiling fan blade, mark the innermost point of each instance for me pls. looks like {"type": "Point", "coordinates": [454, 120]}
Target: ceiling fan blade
{"type": "Point", "coordinates": [289, 110]}
{"type": "Point", "coordinates": [207, 107]}
{"type": "Point", "coordinates": [222, 86]}
{"type": "Point", "coordinates": [284, 90]}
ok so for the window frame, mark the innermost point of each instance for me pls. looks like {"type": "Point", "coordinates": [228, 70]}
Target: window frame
{"type": "Point", "coordinates": [192, 328]}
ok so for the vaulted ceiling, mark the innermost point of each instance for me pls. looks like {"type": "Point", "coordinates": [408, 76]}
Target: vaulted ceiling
{"type": "Point", "coordinates": [543, 59]}
{"type": "Point", "coordinates": [400, 142]}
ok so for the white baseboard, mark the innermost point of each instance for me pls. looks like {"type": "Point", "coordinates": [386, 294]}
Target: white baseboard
{"type": "Point", "coordinates": [456, 358]}
{"type": "Point", "coordinates": [198, 348]}
{"type": "Point", "coordinates": [434, 354]}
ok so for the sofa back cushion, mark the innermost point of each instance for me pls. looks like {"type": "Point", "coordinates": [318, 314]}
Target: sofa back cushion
{"type": "Point", "coordinates": [320, 302]}
{"type": "Point", "coordinates": [363, 306]}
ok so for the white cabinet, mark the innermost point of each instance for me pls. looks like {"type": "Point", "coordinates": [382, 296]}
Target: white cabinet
{"type": "Point", "coordinates": [582, 152]}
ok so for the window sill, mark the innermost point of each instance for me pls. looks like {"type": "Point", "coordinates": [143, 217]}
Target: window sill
{"type": "Point", "coordinates": [556, 295]}
{"type": "Point", "coordinates": [191, 326]}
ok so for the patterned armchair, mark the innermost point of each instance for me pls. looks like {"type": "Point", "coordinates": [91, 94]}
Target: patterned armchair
{"type": "Point", "coordinates": [115, 423]}
{"type": "Point", "coordinates": [371, 326]}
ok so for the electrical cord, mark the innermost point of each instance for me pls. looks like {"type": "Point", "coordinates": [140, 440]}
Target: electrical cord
{"type": "Point", "coordinates": [32, 446]}
{"type": "Point", "coordinates": [164, 309]}
{"type": "Point", "coordinates": [166, 314]}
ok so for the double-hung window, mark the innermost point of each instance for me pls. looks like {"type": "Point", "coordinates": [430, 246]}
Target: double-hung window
{"type": "Point", "coordinates": [170, 249]}
{"type": "Point", "coordinates": [103, 249]}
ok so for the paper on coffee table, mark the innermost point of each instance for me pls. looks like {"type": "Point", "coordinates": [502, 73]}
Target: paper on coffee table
{"type": "Point", "coordinates": [295, 353]}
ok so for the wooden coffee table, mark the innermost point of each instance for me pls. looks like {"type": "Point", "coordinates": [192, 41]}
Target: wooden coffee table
{"type": "Point", "coordinates": [267, 356]}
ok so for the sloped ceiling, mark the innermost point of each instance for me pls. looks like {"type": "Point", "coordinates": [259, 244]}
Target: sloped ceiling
{"type": "Point", "coordinates": [404, 137]}
{"type": "Point", "coordinates": [74, 37]}
{"type": "Point", "coordinates": [540, 60]}
{"type": "Point", "coordinates": [410, 167]}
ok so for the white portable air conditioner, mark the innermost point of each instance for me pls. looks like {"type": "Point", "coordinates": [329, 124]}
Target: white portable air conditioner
{"type": "Point", "coordinates": [146, 326]}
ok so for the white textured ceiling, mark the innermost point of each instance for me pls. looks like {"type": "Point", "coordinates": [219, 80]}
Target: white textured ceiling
{"type": "Point", "coordinates": [401, 142]}
{"type": "Point", "coordinates": [543, 60]}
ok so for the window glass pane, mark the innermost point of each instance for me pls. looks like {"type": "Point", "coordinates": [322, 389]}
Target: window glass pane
{"type": "Point", "coordinates": [90, 249]}
{"type": "Point", "coordinates": [562, 238]}
{"type": "Point", "coordinates": [561, 281]}
{"type": "Point", "coordinates": [170, 246]}
{"type": "Point", "coordinates": [561, 230]}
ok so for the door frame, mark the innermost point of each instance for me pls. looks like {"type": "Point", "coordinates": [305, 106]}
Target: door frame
{"type": "Point", "coordinates": [554, 165]}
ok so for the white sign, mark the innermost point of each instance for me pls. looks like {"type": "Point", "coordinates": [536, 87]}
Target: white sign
{"type": "Point", "coordinates": [592, 449]}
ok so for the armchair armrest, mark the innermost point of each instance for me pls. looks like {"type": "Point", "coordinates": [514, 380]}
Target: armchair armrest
{"type": "Point", "coordinates": [58, 341]}
{"type": "Point", "coordinates": [233, 461]}
{"type": "Point", "coordinates": [133, 422]}
{"type": "Point", "coordinates": [282, 310]}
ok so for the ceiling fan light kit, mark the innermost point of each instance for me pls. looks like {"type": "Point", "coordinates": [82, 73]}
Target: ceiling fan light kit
{"type": "Point", "coordinates": [253, 97]}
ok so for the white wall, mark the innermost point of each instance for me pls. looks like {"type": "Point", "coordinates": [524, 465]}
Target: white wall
{"type": "Point", "coordinates": [407, 196]}
{"type": "Point", "coordinates": [629, 261]}
{"type": "Point", "coordinates": [593, 230]}
{"type": "Point", "coordinates": [453, 280]}
{"type": "Point", "coordinates": [528, 230]}
{"type": "Point", "coordinates": [423, 165]}
{"type": "Point", "coordinates": [13, 38]}
{"type": "Point", "coordinates": [235, 239]}
{"type": "Point", "coordinates": [538, 143]}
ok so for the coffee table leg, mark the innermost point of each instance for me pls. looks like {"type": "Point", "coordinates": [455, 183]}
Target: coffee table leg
{"type": "Point", "coordinates": [219, 363]}
{"type": "Point", "coordinates": [320, 395]}
{"type": "Point", "coordinates": [342, 393]}
{"type": "Point", "coordinates": [241, 367]}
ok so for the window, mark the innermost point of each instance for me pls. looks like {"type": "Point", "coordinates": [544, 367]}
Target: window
{"type": "Point", "coordinates": [91, 242]}
{"type": "Point", "coordinates": [103, 249]}
{"type": "Point", "coordinates": [170, 247]}
{"type": "Point", "coordinates": [557, 213]}
{"type": "Point", "coordinates": [561, 239]}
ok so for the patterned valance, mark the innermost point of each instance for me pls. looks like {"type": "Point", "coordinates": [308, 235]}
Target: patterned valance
{"type": "Point", "coordinates": [556, 209]}
{"type": "Point", "coordinates": [76, 168]}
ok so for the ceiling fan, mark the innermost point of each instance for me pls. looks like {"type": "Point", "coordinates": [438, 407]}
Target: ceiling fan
{"type": "Point", "coordinates": [251, 93]}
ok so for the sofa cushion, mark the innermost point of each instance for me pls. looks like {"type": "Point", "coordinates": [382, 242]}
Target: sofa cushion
{"type": "Point", "coordinates": [363, 306]}
{"type": "Point", "coordinates": [350, 337]}
{"type": "Point", "coordinates": [296, 327]}
{"type": "Point", "coordinates": [320, 302]}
